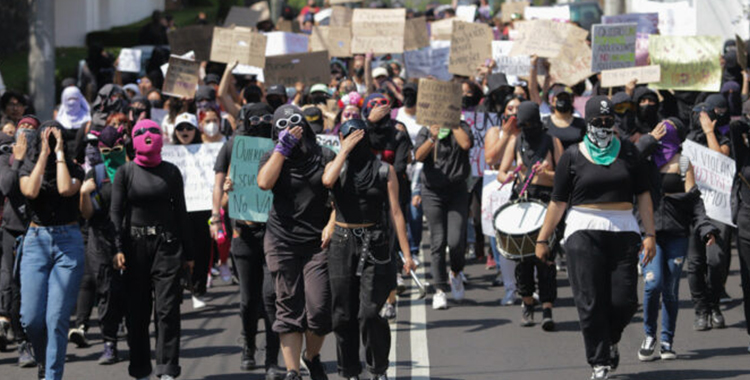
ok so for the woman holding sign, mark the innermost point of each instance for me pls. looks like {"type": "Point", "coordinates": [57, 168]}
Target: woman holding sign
{"type": "Point", "coordinates": [362, 270]}
{"type": "Point", "coordinates": [297, 234]}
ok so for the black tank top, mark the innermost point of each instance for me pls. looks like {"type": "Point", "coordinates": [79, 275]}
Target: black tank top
{"type": "Point", "coordinates": [361, 206]}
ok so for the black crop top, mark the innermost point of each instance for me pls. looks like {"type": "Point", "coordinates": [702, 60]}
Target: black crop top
{"type": "Point", "coordinates": [50, 208]}
{"type": "Point", "coordinates": [569, 135]}
{"type": "Point", "coordinates": [580, 181]}
{"type": "Point", "coordinates": [360, 207]}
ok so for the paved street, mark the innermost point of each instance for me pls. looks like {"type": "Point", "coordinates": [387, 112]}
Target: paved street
{"type": "Point", "coordinates": [475, 340]}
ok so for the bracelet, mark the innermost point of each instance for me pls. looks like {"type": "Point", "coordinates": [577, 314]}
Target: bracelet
{"type": "Point", "coordinates": [60, 156]}
{"type": "Point", "coordinates": [542, 242]}
{"type": "Point", "coordinates": [60, 161]}
{"type": "Point", "coordinates": [651, 235]}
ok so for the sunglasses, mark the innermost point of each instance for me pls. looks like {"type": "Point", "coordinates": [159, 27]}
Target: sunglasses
{"type": "Point", "coordinates": [6, 148]}
{"type": "Point", "coordinates": [377, 102]}
{"type": "Point", "coordinates": [624, 107]}
{"type": "Point", "coordinates": [118, 148]}
{"type": "Point", "coordinates": [295, 119]}
{"type": "Point", "coordinates": [603, 122]}
{"type": "Point", "coordinates": [255, 120]}
{"type": "Point", "coordinates": [184, 127]}
{"type": "Point", "coordinates": [137, 111]}
{"type": "Point", "coordinates": [142, 131]}
{"type": "Point", "coordinates": [351, 115]}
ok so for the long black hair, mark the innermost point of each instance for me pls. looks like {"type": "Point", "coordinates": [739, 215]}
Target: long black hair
{"type": "Point", "coordinates": [35, 148]}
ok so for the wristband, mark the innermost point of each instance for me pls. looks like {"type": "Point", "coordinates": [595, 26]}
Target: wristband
{"type": "Point", "coordinates": [60, 156]}
{"type": "Point", "coordinates": [650, 235]}
{"type": "Point", "coordinates": [542, 242]}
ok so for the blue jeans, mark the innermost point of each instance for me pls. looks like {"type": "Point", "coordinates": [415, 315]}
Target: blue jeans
{"type": "Point", "coordinates": [414, 224]}
{"type": "Point", "coordinates": [662, 278]}
{"type": "Point", "coordinates": [506, 266]}
{"type": "Point", "coordinates": [52, 266]}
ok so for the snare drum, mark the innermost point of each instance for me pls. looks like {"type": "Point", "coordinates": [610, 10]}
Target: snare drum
{"type": "Point", "coordinates": [517, 225]}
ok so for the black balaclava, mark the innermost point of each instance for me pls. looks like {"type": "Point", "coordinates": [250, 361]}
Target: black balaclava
{"type": "Point", "coordinates": [564, 102]}
{"type": "Point", "coordinates": [360, 174]}
{"type": "Point", "coordinates": [259, 130]}
{"type": "Point", "coordinates": [647, 116]}
{"type": "Point", "coordinates": [499, 92]}
{"type": "Point", "coordinates": [529, 121]}
{"type": "Point", "coordinates": [252, 94]}
{"type": "Point", "coordinates": [624, 122]}
{"type": "Point", "coordinates": [732, 70]}
{"type": "Point", "coordinates": [110, 99]}
{"type": "Point", "coordinates": [717, 101]}
{"type": "Point", "coordinates": [378, 132]}
{"type": "Point", "coordinates": [135, 111]}
{"type": "Point", "coordinates": [308, 147]}
{"type": "Point", "coordinates": [410, 95]}
{"type": "Point", "coordinates": [275, 101]}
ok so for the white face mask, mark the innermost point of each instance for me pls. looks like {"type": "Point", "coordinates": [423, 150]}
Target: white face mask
{"type": "Point", "coordinates": [600, 136]}
{"type": "Point", "coordinates": [211, 129]}
{"type": "Point", "coordinates": [73, 105]}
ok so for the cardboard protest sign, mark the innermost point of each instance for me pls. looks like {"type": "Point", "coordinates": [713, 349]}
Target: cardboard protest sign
{"type": "Point", "coordinates": [542, 37]}
{"type": "Point", "coordinates": [129, 60]}
{"type": "Point", "coordinates": [280, 43]}
{"type": "Point", "coordinates": [471, 46]}
{"type": "Point", "coordinates": [242, 16]}
{"type": "Point", "coordinates": [494, 195]}
{"type": "Point", "coordinates": [429, 61]}
{"type": "Point", "coordinates": [573, 65]}
{"type": "Point", "coordinates": [250, 70]}
{"type": "Point", "coordinates": [613, 46]}
{"type": "Point", "coordinates": [288, 26]}
{"type": "Point", "coordinates": [441, 30]}
{"type": "Point", "coordinates": [263, 10]}
{"type": "Point", "coordinates": [247, 201]}
{"type": "Point", "coordinates": [196, 165]}
{"type": "Point", "coordinates": [479, 122]}
{"type": "Point", "coordinates": [345, 1]}
{"type": "Point", "coordinates": [341, 16]}
{"type": "Point", "coordinates": [621, 77]}
{"type": "Point", "coordinates": [339, 41]}
{"type": "Point", "coordinates": [508, 9]}
{"type": "Point", "coordinates": [182, 77]}
{"type": "Point", "coordinates": [415, 34]}
{"type": "Point", "coordinates": [379, 30]}
{"type": "Point", "coordinates": [741, 52]}
{"type": "Point", "coordinates": [196, 38]}
{"type": "Point", "coordinates": [557, 12]}
{"type": "Point", "coordinates": [466, 13]}
{"type": "Point", "coordinates": [329, 141]}
{"type": "Point", "coordinates": [241, 44]}
{"type": "Point", "coordinates": [308, 68]}
{"type": "Point", "coordinates": [438, 103]}
{"type": "Point", "coordinates": [714, 175]}
{"type": "Point", "coordinates": [319, 38]}
{"type": "Point", "coordinates": [688, 63]}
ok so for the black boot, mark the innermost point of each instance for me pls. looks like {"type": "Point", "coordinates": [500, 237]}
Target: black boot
{"type": "Point", "coordinates": [718, 318]}
{"type": "Point", "coordinates": [702, 322]}
{"type": "Point", "coordinates": [248, 357]}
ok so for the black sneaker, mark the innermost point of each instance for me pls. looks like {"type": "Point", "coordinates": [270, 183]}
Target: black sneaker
{"type": "Point", "coordinates": [78, 337]}
{"type": "Point", "coordinates": [646, 353]}
{"type": "Point", "coordinates": [25, 360]}
{"type": "Point", "coordinates": [614, 357]}
{"type": "Point", "coordinates": [527, 315]}
{"type": "Point", "coordinates": [547, 323]}
{"type": "Point", "coordinates": [667, 353]}
{"type": "Point", "coordinates": [292, 375]}
{"type": "Point", "coordinates": [717, 318]}
{"type": "Point", "coordinates": [109, 355]}
{"type": "Point", "coordinates": [40, 372]}
{"type": "Point", "coordinates": [247, 362]}
{"type": "Point", "coordinates": [725, 297]}
{"type": "Point", "coordinates": [275, 372]}
{"type": "Point", "coordinates": [315, 367]}
{"type": "Point", "coordinates": [4, 340]}
{"type": "Point", "coordinates": [702, 322]}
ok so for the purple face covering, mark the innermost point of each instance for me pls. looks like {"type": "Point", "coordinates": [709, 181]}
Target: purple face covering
{"type": "Point", "coordinates": [147, 142]}
{"type": "Point", "coordinates": [669, 145]}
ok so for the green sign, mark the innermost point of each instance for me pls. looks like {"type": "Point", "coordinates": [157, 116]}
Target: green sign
{"type": "Point", "coordinates": [247, 201]}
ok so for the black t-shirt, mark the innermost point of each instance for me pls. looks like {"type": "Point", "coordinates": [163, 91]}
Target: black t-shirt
{"type": "Point", "coordinates": [580, 181]}
{"type": "Point", "coordinates": [452, 164]}
{"type": "Point", "coordinates": [224, 158]}
{"type": "Point", "coordinates": [15, 211]}
{"type": "Point", "coordinates": [359, 206]}
{"type": "Point", "coordinates": [300, 207]}
{"type": "Point", "coordinates": [569, 135]}
{"type": "Point", "coordinates": [50, 208]}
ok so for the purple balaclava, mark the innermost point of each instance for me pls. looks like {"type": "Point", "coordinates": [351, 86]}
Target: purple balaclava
{"type": "Point", "coordinates": [147, 142]}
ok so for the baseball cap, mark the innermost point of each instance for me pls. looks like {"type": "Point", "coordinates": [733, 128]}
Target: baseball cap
{"type": "Point", "coordinates": [379, 71]}
{"type": "Point", "coordinates": [186, 117]}
{"type": "Point", "coordinates": [277, 89]}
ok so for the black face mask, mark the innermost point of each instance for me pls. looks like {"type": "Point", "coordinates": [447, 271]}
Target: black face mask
{"type": "Point", "coordinates": [533, 132]}
{"type": "Point", "coordinates": [360, 72]}
{"type": "Point", "coordinates": [410, 99]}
{"type": "Point", "coordinates": [275, 102]}
{"type": "Point", "coordinates": [469, 101]}
{"type": "Point", "coordinates": [648, 112]}
{"type": "Point", "coordinates": [723, 119]}
{"type": "Point", "coordinates": [563, 106]}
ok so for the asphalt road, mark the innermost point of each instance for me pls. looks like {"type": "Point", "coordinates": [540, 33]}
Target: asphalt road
{"type": "Point", "coordinates": [477, 339]}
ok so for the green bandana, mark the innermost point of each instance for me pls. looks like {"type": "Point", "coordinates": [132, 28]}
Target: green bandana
{"type": "Point", "coordinates": [603, 156]}
{"type": "Point", "coordinates": [112, 161]}
{"type": "Point", "coordinates": [444, 132]}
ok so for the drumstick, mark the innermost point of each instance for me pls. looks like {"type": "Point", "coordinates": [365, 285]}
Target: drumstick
{"type": "Point", "coordinates": [528, 180]}
{"type": "Point", "coordinates": [510, 177]}
{"type": "Point", "coordinates": [420, 286]}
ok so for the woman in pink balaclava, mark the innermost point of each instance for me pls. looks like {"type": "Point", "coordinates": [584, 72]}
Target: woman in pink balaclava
{"type": "Point", "coordinates": [150, 218]}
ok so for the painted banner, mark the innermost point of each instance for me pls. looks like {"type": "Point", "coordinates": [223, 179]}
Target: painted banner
{"type": "Point", "coordinates": [613, 46]}
{"type": "Point", "coordinates": [471, 46]}
{"type": "Point", "coordinates": [621, 77]}
{"type": "Point", "coordinates": [429, 61]}
{"type": "Point", "coordinates": [494, 196]}
{"type": "Point", "coordinates": [438, 103]}
{"type": "Point", "coordinates": [247, 201]}
{"type": "Point", "coordinates": [196, 163]}
{"type": "Point", "coordinates": [714, 173]}
{"type": "Point", "coordinates": [129, 60]}
{"type": "Point", "coordinates": [688, 63]}
{"type": "Point", "coordinates": [479, 123]}
{"type": "Point", "coordinates": [379, 30]}
{"type": "Point", "coordinates": [182, 77]}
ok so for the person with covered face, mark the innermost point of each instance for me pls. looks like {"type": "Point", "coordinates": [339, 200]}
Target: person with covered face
{"type": "Point", "coordinates": [53, 257]}
{"type": "Point", "coordinates": [153, 241]}
{"type": "Point", "coordinates": [600, 177]}
{"type": "Point", "coordinates": [257, 294]}
{"type": "Point", "coordinates": [533, 149]}
{"type": "Point", "coordinates": [565, 128]}
{"type": "Point", "coordinates": [647, 109]}
{"type": "Point", "coordinates": [298, 231]}
{"type": "Point", "coordinates": [100, 280]}
{"type": "Point", "coordinates": [361, 267]}
{"type": "Point", "coordinates": [74, 110]}
{"type": "Point", "coordinates": [679, 208]}
{"type": "Point", "coordinates": [444, 153]}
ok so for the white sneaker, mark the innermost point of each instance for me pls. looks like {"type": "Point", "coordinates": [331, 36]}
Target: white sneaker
{"type": "Point", "coordinates": [198, 303]}
{"type": "Point", "coordinates": [439, 301]}
{"type": "Point", "coordinates": [400, 286]}
{"type": "Point", "coordinates": [509, 299]}
{"type": "Point", "coordinates": [600, 372]}
{"type": "Point", "coordinates": [648, 349]}
{"type": "Point", "coordinates": [215, 271]}
{"type": "Point", "coordinates": [166, 377]}
{"type": "Point", "coordinates": [226, 274]}
{"type": "Point", "coordinates": [457, 286]}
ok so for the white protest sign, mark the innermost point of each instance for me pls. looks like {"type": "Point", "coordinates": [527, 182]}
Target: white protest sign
{"type": "Point", "coordinates": [196, 162]}
{"type": "Point", "coordinates": [432, 60]}
{"type": "Point", "coordinates": [557, 13]}
{"type": "Point", "coordinates": [714, 174]}
{"type": "Point", "coordinates": [329, 141]}
{"type": "Point", "coordinates": [129, 60]}
{"type": "Point", "coordinates": [250, 70]}
{"type": "Point", "coordinates": [466, 12]}
{"type": "Point", "coordinates": [494, 196]}
{"type": "Point", "coordinates": [517, 66]}
{"type": "Point", "coordinates": [280, 43]}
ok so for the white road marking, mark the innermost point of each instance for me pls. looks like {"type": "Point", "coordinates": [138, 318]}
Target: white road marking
{"type": "Point", "coordinates": [420, 355]}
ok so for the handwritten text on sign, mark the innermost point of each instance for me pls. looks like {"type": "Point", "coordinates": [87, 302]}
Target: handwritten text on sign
{"type": "Point", "coordinates": [247, 201]}
{"type": "Point", "coordinates": [438, 103]}
{"type": "Point", "coordinates": [714, 173]}
{"type": "Point", "coordinates": [181, 79]}
{"type": "Point", "coordinates": [471, 45]}
{"type": "Point", "coordinates": [621, 77]}
{"type": "Point", "coordinates": [379, 30]}
{"type": "Point", "coordinates": [196, 162]}
{"type": "Point", "coordinates": [613, 46]}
